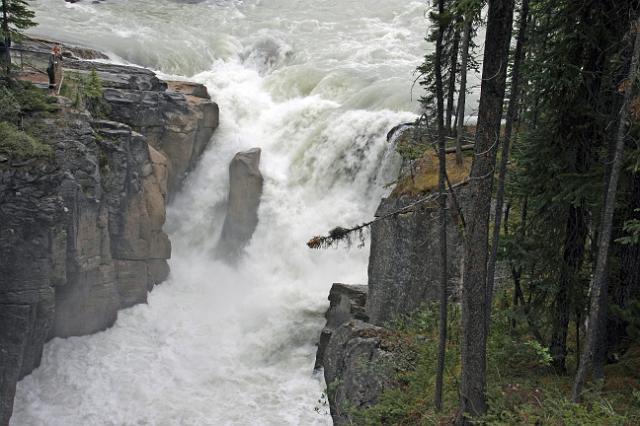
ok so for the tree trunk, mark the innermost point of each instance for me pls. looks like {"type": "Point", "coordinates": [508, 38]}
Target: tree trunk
{"type": "Point", "coordinates": [512, 116]}
{"type": "Point", "coordinates": [474, 309]}
{"type": "Point", "coordinates": [598, 303]}
{"type": "Point", "coordinates": [575, 236]}
{"type": "Point", "coordinates": [453, 72]}
{"type": "Point", "coordinates": [462, 94]}
{"type": "Point", "coordinates": [5, 55]}
{"type": "Point", "coordinates": [443, 210]}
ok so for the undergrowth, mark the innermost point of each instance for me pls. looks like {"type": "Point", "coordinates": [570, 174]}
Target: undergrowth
{"type": "Point", "coordinates": [85, 92]}
{"type": "Point", "coordinates": [22, 105]}
{"type": "Point", "coordinates": [18, 144]}
{"type": "Point", "coordinates": [522, 389]}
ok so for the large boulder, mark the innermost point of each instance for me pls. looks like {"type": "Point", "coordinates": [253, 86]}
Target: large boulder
{"type": "Point", "coordinates": [245, 191]}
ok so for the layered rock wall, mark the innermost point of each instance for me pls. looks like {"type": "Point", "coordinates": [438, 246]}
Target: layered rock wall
{"type": "Point", "coordinates": [177, 118]}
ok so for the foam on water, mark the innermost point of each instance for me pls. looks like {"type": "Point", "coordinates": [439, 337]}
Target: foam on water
{"type": "Point", "coordinates": [315, 84]}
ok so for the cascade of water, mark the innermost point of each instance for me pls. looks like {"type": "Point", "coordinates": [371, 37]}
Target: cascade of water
{"type": "Point", "coordinates": [316, 85]}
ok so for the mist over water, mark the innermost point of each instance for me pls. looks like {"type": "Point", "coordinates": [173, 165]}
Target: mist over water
{"type": "Point", "coordinates": [316, 85]}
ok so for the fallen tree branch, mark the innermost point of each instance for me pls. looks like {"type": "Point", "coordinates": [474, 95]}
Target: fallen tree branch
{"type": "Point", "coordinates": [340, 234]}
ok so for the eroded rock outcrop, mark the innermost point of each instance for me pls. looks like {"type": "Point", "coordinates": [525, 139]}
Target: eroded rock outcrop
{"type": "Point", "coordinates": [346, 302]}
{"type": "Point", "coordinates": [81, 237]}
{"type": "Point", "coordinates": [359, 363]}
{"type": "Point", "coordinates": [177, 118]}
{"type": "Point", "coordinates": [245, 191]}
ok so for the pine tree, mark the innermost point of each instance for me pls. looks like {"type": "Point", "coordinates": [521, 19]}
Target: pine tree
{"type": "Point", "coordinates": [598, 304]}
{"type": "Point", "coordinates": [16, 17]}
{"type": "Point", "coordinates": [474, 309]}
{"type": "Point", "coordinates": [442, 176]}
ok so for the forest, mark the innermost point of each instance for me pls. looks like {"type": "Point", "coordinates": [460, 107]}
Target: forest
{"type": "Point", "coordinates": [546, 328]}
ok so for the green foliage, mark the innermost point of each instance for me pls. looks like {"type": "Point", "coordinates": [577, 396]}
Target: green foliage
{"type": "Point", "coordinates": [632, 228]}
{"type": "Point", "coordinates": [9, 107]}
{"type": "Point", "coordinates": [455, 11]}
{"type": "Point", "coordinates": [410, 401]}
{"type": "Point", "coordinates": [15, 17]}
{"type": "Point", "coordinates": [21, 107]}
{"type": "Point", "coordinates": [631, 316]}
{"type": "Point", "coordinates": [20, 99]}
{"type": "Point", "coordinates": [517, 404]}
{"type": "Point", "coordinates": [86, 92]}
{"type": "Point", "coordinates": [19, 18]}
{"type": "Point", "coordinates": [521, 388]}
{"type": "Point", "coordinates": [17, 144]}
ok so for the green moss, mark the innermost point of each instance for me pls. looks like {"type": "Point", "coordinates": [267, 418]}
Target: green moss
{"type": "Point", "coordinates": [103, 160]}
{"type": "Point", "coordinates": [15, 143]}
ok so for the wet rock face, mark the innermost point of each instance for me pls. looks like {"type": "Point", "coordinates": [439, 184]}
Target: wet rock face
{"type": "Point", "coordinates": [245, 191]}
{"type": "Point", "coordinates": [114, 232]}
{"type": "Point", "coordinates": [359, 356]}
{"type": "Point", "coordinates": [80, 238]}
{"type": "Point", "coordinates": [30, 212]}
{"type": "Point", "coordinates": [404, 263]}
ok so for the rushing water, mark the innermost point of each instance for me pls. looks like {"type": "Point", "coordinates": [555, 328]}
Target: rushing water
{"type": "Point", "coordinates": [316, 84]}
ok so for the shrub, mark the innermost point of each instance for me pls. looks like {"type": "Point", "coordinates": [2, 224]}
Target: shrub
{"type": "Point", "coordinates": [18, 99]}
{"type": "Point", "coordinates": [15, 143]}
{"type": "Point", "coordinates": [9, 106]}
{"type": "Point", "coordinates": [86, 92]}
{"type": "Point", "coordinates": [521, 389]}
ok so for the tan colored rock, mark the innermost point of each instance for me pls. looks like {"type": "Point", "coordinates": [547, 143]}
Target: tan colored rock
{"type": "Point", "coordinates": [160, 166]}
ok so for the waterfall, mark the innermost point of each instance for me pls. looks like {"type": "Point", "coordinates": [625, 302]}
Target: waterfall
{"type": "Point", "coordinates": [316, 85]}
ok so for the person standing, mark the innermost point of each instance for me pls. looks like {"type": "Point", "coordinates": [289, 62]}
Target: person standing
{"type": "Point", "coordinates": [54, 68]}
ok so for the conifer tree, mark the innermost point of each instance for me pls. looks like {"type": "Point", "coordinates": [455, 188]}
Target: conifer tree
{"type": "Point", "coordinates": [474, 310]}
{"type": "Point", "coordinates": [16, 17]}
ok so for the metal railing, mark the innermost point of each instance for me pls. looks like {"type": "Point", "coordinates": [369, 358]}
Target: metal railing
{"type": "Point", "coordinates": [38, 61]}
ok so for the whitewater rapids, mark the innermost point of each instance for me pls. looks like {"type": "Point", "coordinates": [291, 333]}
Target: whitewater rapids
{"type": "Point", "coordinates": [317, 85]}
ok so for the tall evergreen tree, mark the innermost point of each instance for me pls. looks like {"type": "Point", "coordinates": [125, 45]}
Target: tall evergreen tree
{"type": "Point", "coordinates": [512, 113]}
{"type": "Point", "coordinates": [16, 17]}
{"type": "Point", "coordinates": [442, 176]}
{"type": "Point", "coordinates": [599, 281]}
{"type": "Point", "coordinates": [474, 309]}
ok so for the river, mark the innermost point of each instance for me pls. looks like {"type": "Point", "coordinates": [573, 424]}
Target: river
{"type": "Point", "coordinates": [316, 84]}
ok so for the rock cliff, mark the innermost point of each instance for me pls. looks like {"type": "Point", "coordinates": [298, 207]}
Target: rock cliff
{"type": "Point", "coordinates": [177, 118]}
{"type": "Point", "coordinates": [355, 349]}
{"type": "Point", "coordinates": [81, 231]}
{"type": "Point", "coordinates": [404, 264]}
